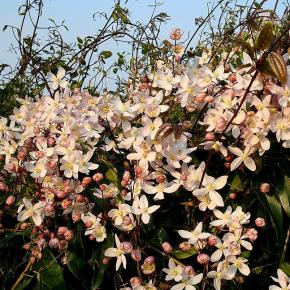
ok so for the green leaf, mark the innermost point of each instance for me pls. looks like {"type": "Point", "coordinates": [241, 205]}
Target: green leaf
{"type": "Point", "coordinates": [24, 283]}
{"type": "Point", "coordinates": [285, 267]}
{"type": "Point", "coordinates": [106, 54]}
{"type": "Point", "coordinates": [76, 265]}
{"type": "Point", "coordinates": [50, 272]}
{"type": "Point", "coordinates": [277, 214]}
{"type": "Point", "coordinates": [183, 254]}
{"type": "Point", "coordinates": [112, 176]}
{"type": "Point", "coordinates": [283, 192]}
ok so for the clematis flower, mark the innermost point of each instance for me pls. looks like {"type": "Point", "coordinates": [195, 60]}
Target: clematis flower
{"type": "Point", "coordinates": [174, 272]}
{"type": "Point", "coordinates": [243, 157]}
{"type": "Point", "coordinates": [239, 264]}
{"type": "Point", "coordinates": [195, 235]}
{"type": "Point", "coordinates": [57, 80]}
{"type": "Point", "coordinates": [188, 282]}
{"type": "Point", "coordinates": [141, 207]}
{"type": "Point", "coordinates": [118, 253]}
{"type": "Point", "coordinates": [283, 281]}
{"type": "Point", "coordinates": [36, 212]}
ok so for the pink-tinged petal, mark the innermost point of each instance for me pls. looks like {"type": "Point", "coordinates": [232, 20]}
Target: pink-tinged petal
{"type": "Point", "coordinates": [60, 73]}
{"type": "Point", "coordinates": [220, 182]}
{"type": "Point", "coordinates": [111, 252]}
{"type": "Point", "coordinates": [37, 219]}
{"type": "Point", "coordinates": [236, 151]}
{"type": "Point", "coordinates": [153, 208]}
{"type": "Point", "coordinates": [216, 256]}
{"type": "Point", "coordinates": [216, 197]}
{"type": "Point", "coordinates": [196, 279]}
{"type": "Point", "coordinates": [145, 218]}
{"type": "Point", "coordinates": [185, 234]}
{"type": "Point", "coordinates": [236, 163]}
{"type": "Point", "coordinates": [247, 245]}
{"type": "Point", "coordinates": [172, 188]}
{"type": "Point", "coordinates": [27, 203]}
{"type": "Point", "coordinates": [250, 164]}
{"type": "Point", "coordinates": [244, 269]}
{"type": "Point", "coordinates": [22, 216]}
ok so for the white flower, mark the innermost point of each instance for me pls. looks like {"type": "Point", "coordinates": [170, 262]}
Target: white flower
{"type": "Point", "coordinates": [38, 170]}
{"type": "Point", "coordinates": [239, 264]}
{"type": "Point", "coordinates": [174, 272]}
{"type": "Point", "coordinates": [118, 214]}
{"type": "Point", "coordinates": [36, 212]}
{"type": "Point", "coordinates": [243, 157]}
{"type": "Point", "coordinates": [194, 235]}
{"type": "Point", "coordinates": [57, 80]}
{"type": "Point", "coordinates": [141, 207]}
{"type": "Point", "coordinates": [210, 187]}
{"type": "Point", "coordinates": [188, 282]}
{"type": "Point", "coordinates": [117, 253]}
{"type": "Point", "coordinates": [283, 281]}
{"type": "Point", "coordinates": [223, 272]}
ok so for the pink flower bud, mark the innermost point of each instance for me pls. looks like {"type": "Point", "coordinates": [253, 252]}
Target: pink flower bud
{"type": "Point", "coordinates": [183, 176]}
{"type": "Point", "coordinates": [188, 270]}
{"type": "Point", "coordinates": [124, 182]}
{"type": "Point", "coordinates": [138, 171]}
{"type": "Point", "coordinates": [80, 198]}
{"type": "Point", "coordinates": [24, 226]}
{"type": "Point", "coordinates": [227, 165]}
{"type": "Point", "coordinates": [135, 281]}
{"type": "Point", "coordinates": [61, 231]}
{"type": "Point", "coordinates": [126, 247]}
{"type": "Point", "coordinates": [36, 130]}
{"type": "Point", "coordinates": [50, 141]}
{"type": "Point", "coordinates": [88, 224]}
{"type": "Point", "coordinates": [10, 199]}
{"type": "Point", "coordinates": [200, 98]}
{"type": "Point", "coordinates": [252, 234]}
{"type": "Point", "coordinates": [160, 178]}
{"type": "Point", "coordinates": [76, 217]}
{"type": "Point", "coordinates": [98, 177]}
{"type": "Point", "coordinates": [202, 259]}
{"type": "Point", "coordinates": [61, 194]}
{"type": "Point", "coordinates": [260, 222]}
{"type": "Point", "coordinates": [26, 247]}
{"type": "Point", "coordinates": [106, 260]}
{"type": "Point", "coordinates": [136, 255]}
{"type": "Point", "coordinates": [11, 167]}
{"type": "Point", "coordinates": [124, 192]}
{"type": "Point", "coordinates": [184, 246]}
{"type": "Point", "coordinates": [3, 186]}
{"type": "Point", "coordinates": [69, 235]}
{"type": "Point", "coordinates": [175, 34]}
{"type": "Point", "coordinates": [167, 248]}
{"type": "Point", "coordinates": [149, 260]}
{"type": "Point", "coordinates": [51, 165]}
{"type": "Point", "coordinates": [212, 240]}
{"type": "Point", "coordinates": [53, 243]}
{"type": "Point", "coordinates": [265, 187]}
{"type": "Point", "coordinates": [86, 181]}
{"type": "Point", "coordinates": [190, 108]}
{"type": "Point", "coordinates": [233, 195]}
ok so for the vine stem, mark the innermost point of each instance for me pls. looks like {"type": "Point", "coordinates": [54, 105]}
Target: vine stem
{"type": "Point", "coordinates": [22, 275]}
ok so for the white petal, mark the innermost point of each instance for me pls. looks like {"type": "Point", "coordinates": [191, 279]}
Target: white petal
{"type": "Point", "coordinates": [250, 164]}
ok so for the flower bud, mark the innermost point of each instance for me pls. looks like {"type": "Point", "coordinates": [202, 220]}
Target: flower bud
{"type": "Point", "coordinates": [69, 235]}
{"type": "Point", "coordinates": [136, 255]}
{"type": "Point", "coordinates": [233, 195]}
{"type": "Point", "coordinates": [202, 258]}
{"type": "Point", "coordinates": [149, 260]}
{"type": "Point", "coordinates": [124, 182]}
{"type": "Point", "coordinates": [26, 247]}
{"type": "Point", "coordinates": [24, 226]}
{"type": "Point", "coordinates": [63, 244]}
{"type": "Point", "coordinates": [212, 240]}
{"type": "Point", "coordinates": [50, 141]}
{"type": "Point", "coordinates": [265, 187]}
{"type": "Point", "coordinates": [221, 124]}
{"type": "Point", "coordinates": [10, 200]}
{"type": "Point", "coordinates": [127, 175]}
{"type": "Point", "coordinates": [86, 181]}
{"type": "Point", "coordinates": [61, 231]}
{"type": "Point", "coordinates": [260, 222]}
{"type": "Point", "coordinates": [167, 248]}
{"type": "Point", "coordinates": [252, 234]}
{"type": "Point", "coordinates": [76, 217]}
{"type": "Point", "coordinates": [98, 177]}
{"type": "Point", "coordinates": [188, 270]}
{"type": "Point", "coordinates": [184, 246]}
{"type": "Point", "coordinates": [126, 247]}
{"type": "Point", "coordinates": [53, 243]}
{"type": "Point", "coordinates": [160, 178]}
{"type": "Point", "coordinates": [105, 260]}
{"type": "Point", "coordinates": [175, 34]}
{"type": "Point", "coordinates": [80, 198]}
{"type": "Point", "coordinates": [135, 281]}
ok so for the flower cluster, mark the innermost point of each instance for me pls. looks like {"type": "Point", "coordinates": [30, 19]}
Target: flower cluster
{"type": "Point", "coordinates": [70, 146]}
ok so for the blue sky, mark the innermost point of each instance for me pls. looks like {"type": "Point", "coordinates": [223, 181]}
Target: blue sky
{"type": "Point", "coordinates": [78, 16]}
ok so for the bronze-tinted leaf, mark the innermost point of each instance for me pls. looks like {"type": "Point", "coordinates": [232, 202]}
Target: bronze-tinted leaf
{"type": "Point", "coordinates": [278, 66]}
{"type": "Point", "coordinates": [266, 36]}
